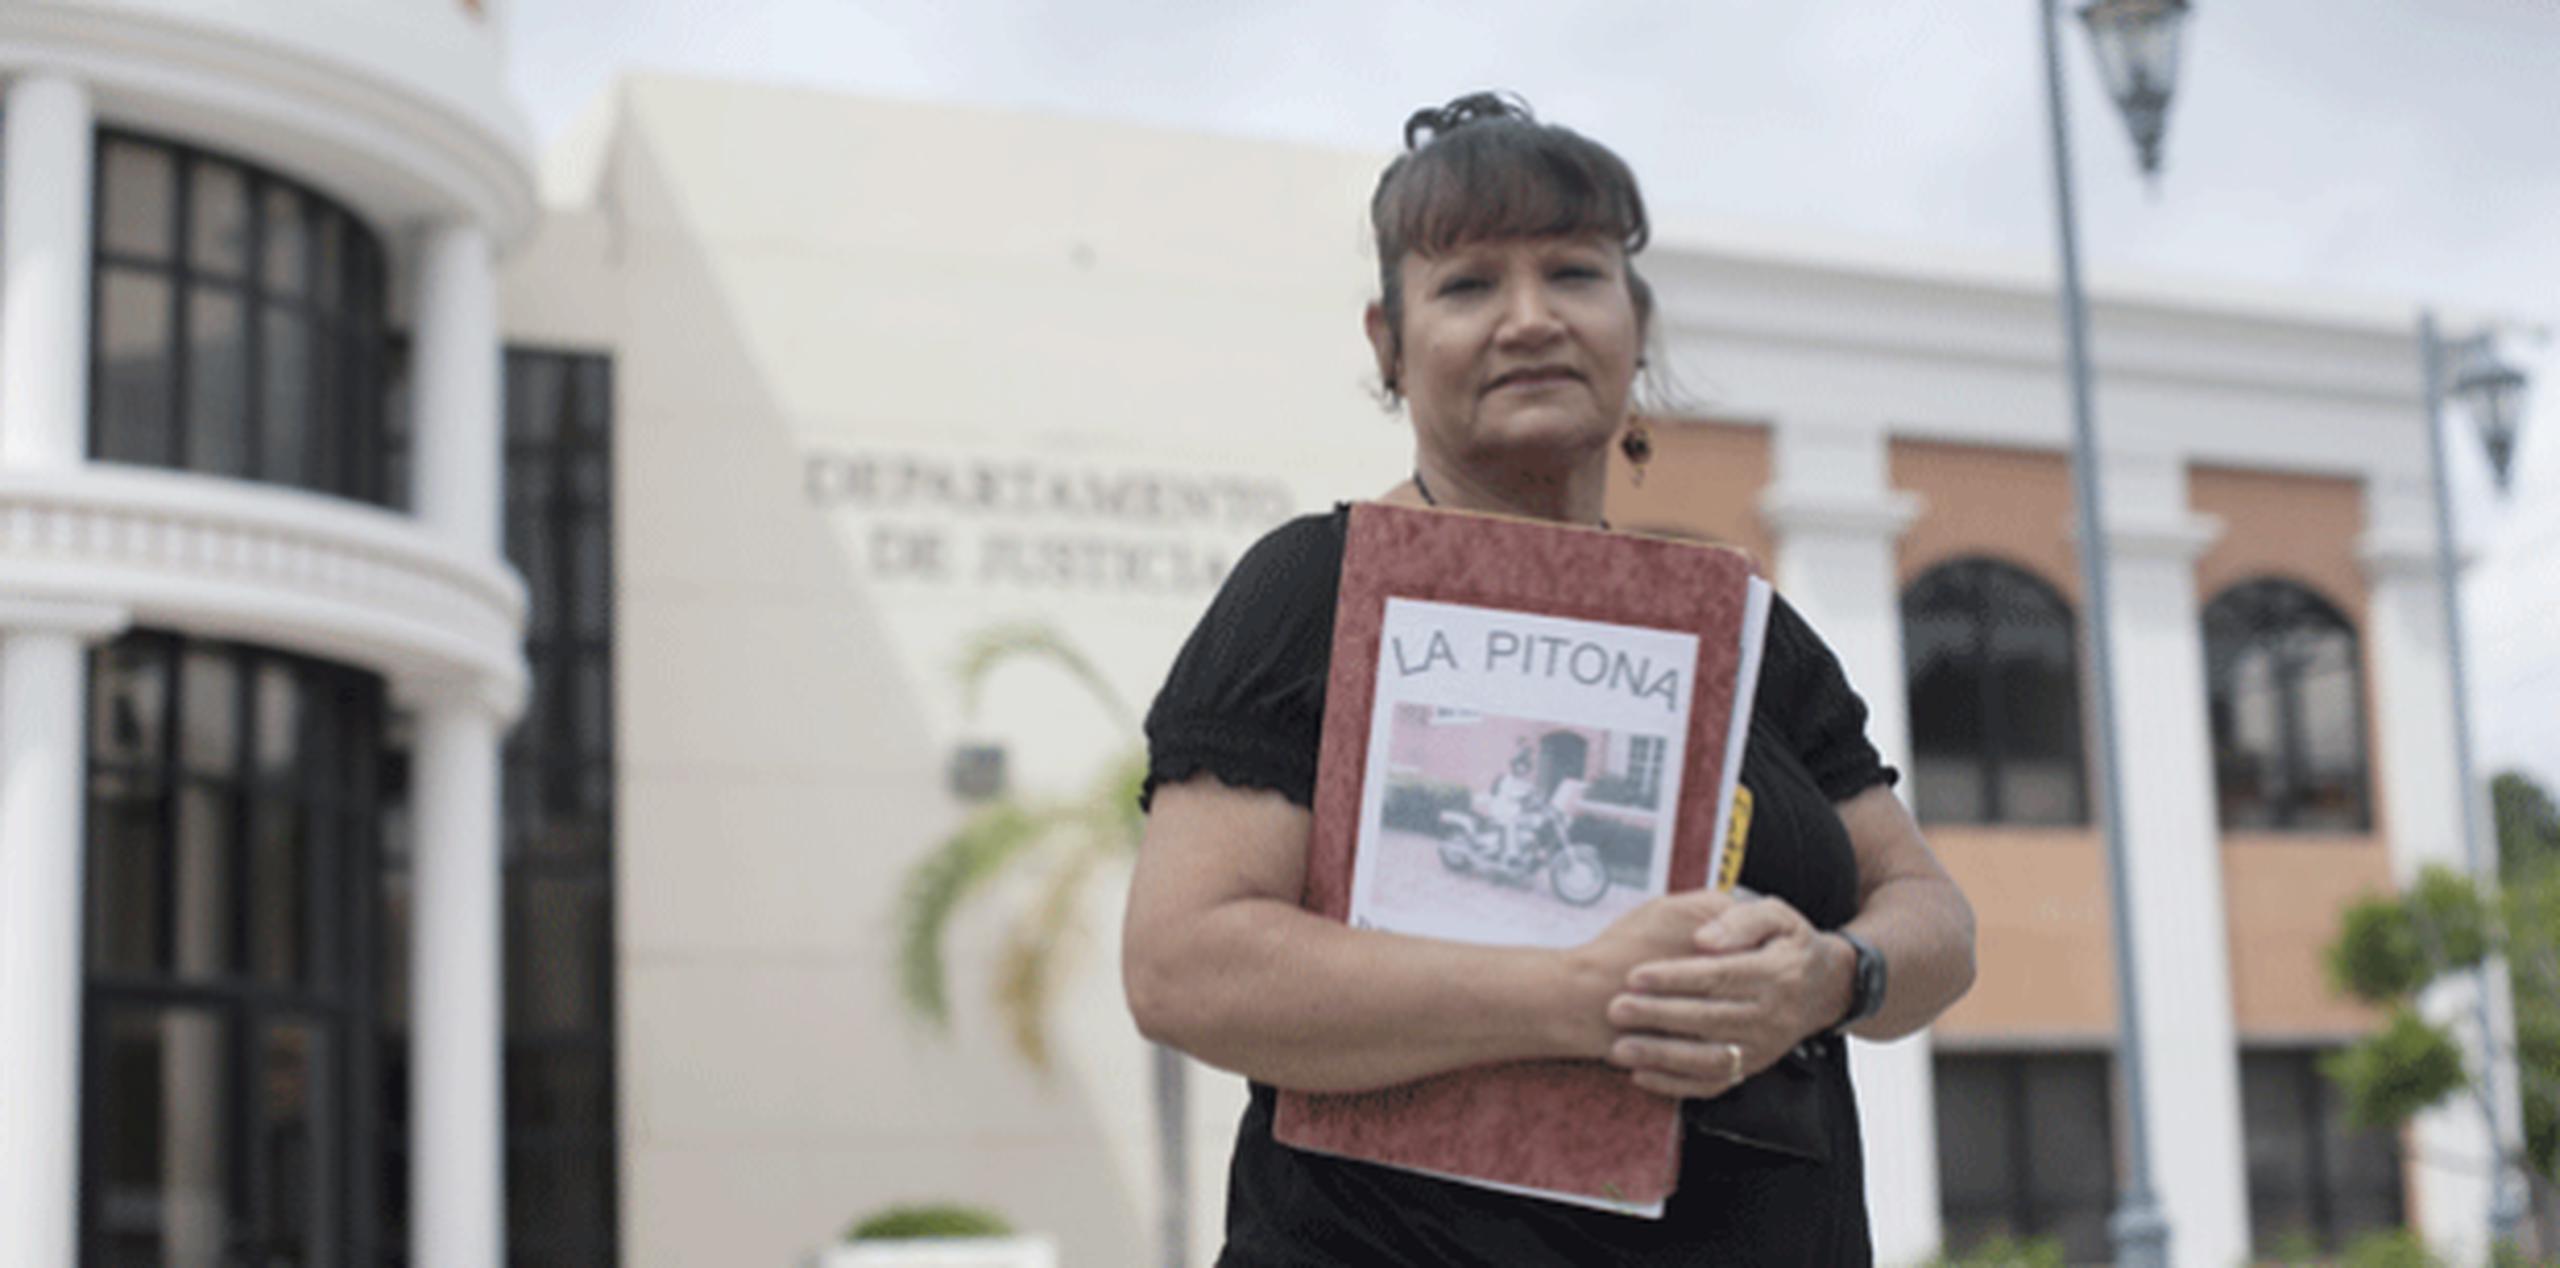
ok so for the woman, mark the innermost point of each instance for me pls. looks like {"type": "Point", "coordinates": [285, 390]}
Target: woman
{"type": "Point", "coordinates": [1511, 322]}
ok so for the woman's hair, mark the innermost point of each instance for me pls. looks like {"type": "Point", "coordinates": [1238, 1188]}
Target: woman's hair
{"type": "Point", "coordinates": [1483, 167]}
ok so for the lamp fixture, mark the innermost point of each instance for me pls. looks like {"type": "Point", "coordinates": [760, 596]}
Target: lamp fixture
{"type": "Point", "coordinates": [2137, 46]}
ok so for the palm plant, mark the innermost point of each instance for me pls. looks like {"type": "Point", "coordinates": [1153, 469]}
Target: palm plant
{"type": "Point", "coordinates": [1067, 839]}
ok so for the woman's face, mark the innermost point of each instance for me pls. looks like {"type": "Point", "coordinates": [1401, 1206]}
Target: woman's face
{"type": "Point", "coordinates": [1514, 349]}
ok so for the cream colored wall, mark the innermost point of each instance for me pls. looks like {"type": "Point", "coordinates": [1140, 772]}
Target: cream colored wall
{"type": "Point", "coordinates": [781, 273]}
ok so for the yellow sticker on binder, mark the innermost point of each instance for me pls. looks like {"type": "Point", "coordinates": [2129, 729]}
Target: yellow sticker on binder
{"type": "Point", "coordinates": [1729, 871]}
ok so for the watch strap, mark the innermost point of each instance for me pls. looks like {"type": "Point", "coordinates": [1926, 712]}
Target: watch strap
{"type": "Point", "coordinates": [1866, 981]}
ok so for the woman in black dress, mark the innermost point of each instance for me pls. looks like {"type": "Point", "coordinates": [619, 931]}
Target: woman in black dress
{"type": "Point", "coordinates": [1511, 323]}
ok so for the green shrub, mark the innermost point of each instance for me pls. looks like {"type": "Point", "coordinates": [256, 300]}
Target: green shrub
{"type": "Point", "coordinates": [2506, 1255]}
{"type": "Point", "coordinates": [2454, 921]}
{"type": "Point", "coordinates": [928, 1219]}
{"type": "Point", "coordinates": [2295, 1247]}
{"type": "Point", "coordinates": [2395, 1248]}
{"type": "Point", "coordinates": [2377, 957]}
{"type": "Point", "coordinates": [2405, 1067]}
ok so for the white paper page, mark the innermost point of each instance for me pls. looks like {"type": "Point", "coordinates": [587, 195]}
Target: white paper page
{"type": "Point", "coordinates": [1498, 716]}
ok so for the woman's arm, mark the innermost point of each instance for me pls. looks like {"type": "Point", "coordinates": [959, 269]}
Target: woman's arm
{"type": "Point", "coordinates": [1219, 960]}
{"type": "Point", "coordinates": [1761, 979]}
{"type": "Point", "coordinates": [1911, 910]}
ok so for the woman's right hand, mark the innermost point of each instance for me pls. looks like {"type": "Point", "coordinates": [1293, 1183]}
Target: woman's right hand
{"type": "Point", "coordinates": [1664, 928]}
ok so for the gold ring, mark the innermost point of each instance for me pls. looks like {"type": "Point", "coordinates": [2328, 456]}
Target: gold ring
{"type": "Point", "coordinates": [1734, 1050]}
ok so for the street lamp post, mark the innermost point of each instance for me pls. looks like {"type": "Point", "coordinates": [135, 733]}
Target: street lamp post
{"type": "Point", "coordinates": [2137, 46]}
{"type": "Point", "coordinates": [2469, 370]}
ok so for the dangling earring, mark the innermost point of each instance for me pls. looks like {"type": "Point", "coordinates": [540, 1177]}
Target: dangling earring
{"type": "Point", "coordinates": [1637, 445]}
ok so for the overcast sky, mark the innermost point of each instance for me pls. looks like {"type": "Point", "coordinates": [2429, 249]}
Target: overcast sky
{"type": "Point", "coordinates": [2403, 151]}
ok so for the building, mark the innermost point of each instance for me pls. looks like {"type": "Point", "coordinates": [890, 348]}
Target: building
{"type": "Point", "coordinates": [474, 666]}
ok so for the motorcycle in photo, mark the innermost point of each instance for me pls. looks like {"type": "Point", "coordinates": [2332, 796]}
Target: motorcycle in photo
{"type": "Point", "coordinates": [1529, 842]}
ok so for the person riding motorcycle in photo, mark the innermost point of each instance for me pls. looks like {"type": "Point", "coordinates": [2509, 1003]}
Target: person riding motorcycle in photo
{"type": "Point", "coordinates": [1517, 806]}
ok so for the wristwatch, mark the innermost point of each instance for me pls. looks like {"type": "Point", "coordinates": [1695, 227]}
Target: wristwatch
{"type": "Point", "coordinates": [1866, 981]}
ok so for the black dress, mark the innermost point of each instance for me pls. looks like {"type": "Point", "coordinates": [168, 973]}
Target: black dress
{"type": "Point", "coordinates": [1770, 1172]}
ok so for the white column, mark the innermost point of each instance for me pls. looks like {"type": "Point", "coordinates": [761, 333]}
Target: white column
{"type": "Point", "coordinates": [2173, 859]}
{"type": "Point", "coordinates": [1837, 522]}
{"type": "Point", "coordinates": [45, 148]}
{"type": "Point", "coordinates": [457, 1184]}
{"type": "Point", "coordinates": [2421, 795]}
{"type": "Point", "coordinates": [458, 447]}
{"type": "Point", "coordinates": [43, 679]}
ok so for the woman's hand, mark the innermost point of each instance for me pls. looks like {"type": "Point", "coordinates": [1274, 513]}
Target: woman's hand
{"type": "Point", "coordinates": [1753, 983]}
{"type": "Point", "coordinates": [1219, 960]}
{"type": "Point", "coordinates": [1663, 929]}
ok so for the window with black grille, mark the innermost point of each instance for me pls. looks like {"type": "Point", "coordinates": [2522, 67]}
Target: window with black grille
{"type": "Point", "coordinates": [228, 1059]}
{"type": "Point", "coordinates": [1995, 697]}
{"type": "Point", "coordinates": [2315, 1182]}
{"type": "Point", "coordinates": [2286, 690]}
{"type": "Point", "coordinates": [557, 829]}
{"type": "Point", "coordinates": [237, 324]}
{"type": "Point", "coordinates": [2026, 1150]}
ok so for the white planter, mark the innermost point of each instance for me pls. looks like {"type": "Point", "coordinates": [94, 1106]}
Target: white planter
{"type": "Point", "coordinates": [942, 1252]}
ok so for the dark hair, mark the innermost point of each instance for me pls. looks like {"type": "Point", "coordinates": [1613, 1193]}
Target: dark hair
{"type": "Point", "coordinates": [1483, 167]}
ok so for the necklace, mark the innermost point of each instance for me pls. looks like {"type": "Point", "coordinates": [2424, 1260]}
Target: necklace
{"type": "Point", "coordinates": [1423, 488]}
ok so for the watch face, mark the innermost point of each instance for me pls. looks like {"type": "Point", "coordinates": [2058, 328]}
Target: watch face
{"type": "Point", "coordinates": [1870, 975]}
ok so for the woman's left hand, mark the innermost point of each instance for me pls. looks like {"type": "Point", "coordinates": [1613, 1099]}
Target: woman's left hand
{"type": "Point", "coordinates": [1762, 981]}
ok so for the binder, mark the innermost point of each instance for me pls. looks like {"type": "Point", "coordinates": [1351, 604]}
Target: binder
{"type": "Point", "coordinates": [1521, 630]}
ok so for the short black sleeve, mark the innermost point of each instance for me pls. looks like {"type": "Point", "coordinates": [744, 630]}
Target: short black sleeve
{"type": "Point", "coordinates": [1245, 699]}
{"type": "Point", "coordinates": [1805, 692]}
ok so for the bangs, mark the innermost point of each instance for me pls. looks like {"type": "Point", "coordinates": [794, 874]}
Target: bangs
{"type": "Point", "coordinates": [1501, 179]}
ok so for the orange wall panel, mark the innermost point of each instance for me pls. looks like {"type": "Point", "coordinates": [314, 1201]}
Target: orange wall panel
{"type": "Point", "coordinates": [2282, 896]}
{"type": "Point", "coordinates": [2039, 899]}
{"type": "Point", "coordinates": [2010, 504]}
{"type": "Point", "coordinates": [2302, 528]}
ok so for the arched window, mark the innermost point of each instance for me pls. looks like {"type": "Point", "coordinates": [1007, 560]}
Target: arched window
{"type": "Point", "coordinates": [238, 326]}
{"type": "Point", "coordinates": [2286, 687]}
{"type": "Point", "coordinates": [1995, 697]}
